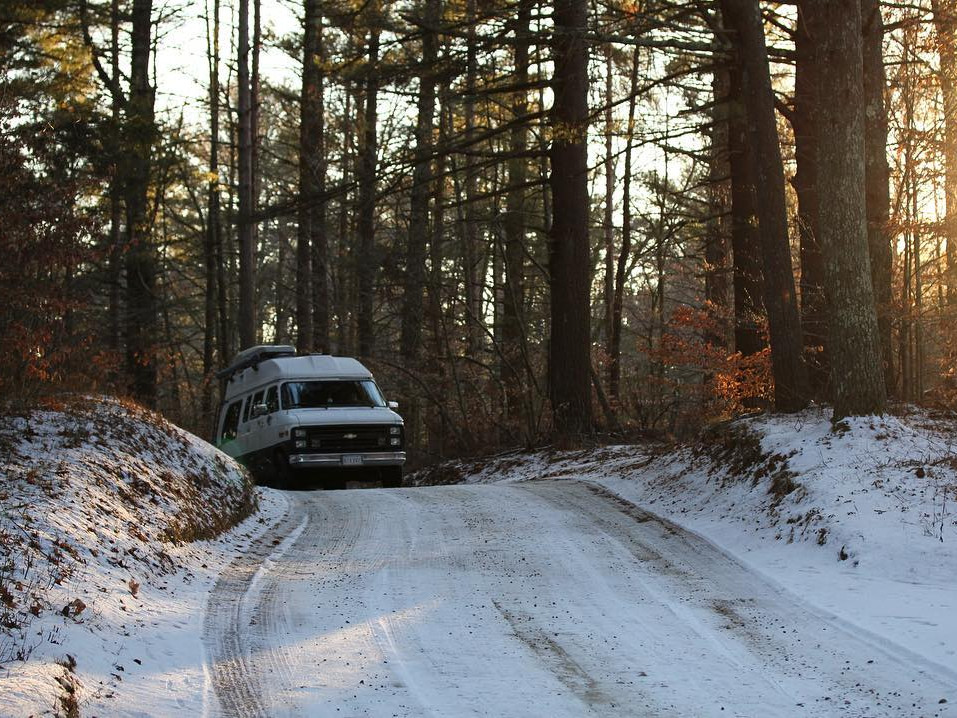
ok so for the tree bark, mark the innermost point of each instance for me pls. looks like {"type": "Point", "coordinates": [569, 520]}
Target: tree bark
{"type": "Point", "coordinates": [608, 219]}
{"type": "Point", "coordinates": [569, 263]}
{"type": "Point", "coordinates": [857, 379]}
{"type": "Point", "coordinates": [212, 219]}
{"type": "Point", "coordinates": [141, 264]}
{"type": "Point", "coordinates": [319, 241]}
{"type": "Point", "coordinates": [310, 168]}
{"type": "Point", "coordinates": [780, 300]}
{"type": "Point", "coordinates": [247, 247]}
{"type": "Point", "coordinates": [414, 283]}
{"type": "Point", "coordinates": [114, 258]}
{"type": "Point", "coordinates": [367, 265]}
{"type": "Point", "coordinates": [813, 300]}
{"type": "Point", "coordinates": [513, 309]}
{"type": "Point", "coordinates": [879, 240]}
{"type": "Point", "coordinates": [717, 240]}
{"type": "Point", "coordinates": [945, 23]}
{"type": "Point", "coordinates": [747, 276]}
{"type": "Point", "coordinates": [621, 270]}
{"type": "Point", "coordinates": [472, 264]}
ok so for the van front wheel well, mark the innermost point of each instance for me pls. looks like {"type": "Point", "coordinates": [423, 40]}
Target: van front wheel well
{"type": "Point", "coordinates": [282, 473]}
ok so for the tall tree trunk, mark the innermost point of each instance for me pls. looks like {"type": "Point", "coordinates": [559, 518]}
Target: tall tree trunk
{"type": "Point", "coordinates": [310, 118]}
{"type": "Point", "coordinates": [473, 275]}
{"type": "Point", "coordinates": [747, 275]}
{"type": "Point", "coordinates": [344, 288]}
{"type": "Point", "coordinates": [247, 247]}
{"type": "Point", "coordinates": [319, 241]}
{"type": "Point", "coordinates": [780, 300]}
{"type": "Point", "coordinates": [608, 219]}
{"type": "Point", "coordinates": [569, 349]}
{"type": "Point", "coordinates": [141, 306]}
{"type": "Point", "coordinates": [255, 179]}
{"type": "Point", "coordinates": [437, 419]}
{"type": "Point", "coordinates": [621, 272]}
{"type": "Point", "coordinates": [114, 257]}
{"type": "Point", "coordinates": [879, 240]}
{"type": "Point", "coordinates": [513, 309]}
{"type": "Point", "coordinates": [366, 259]}
{"type": "Point", "coordinates": [857, 379]}
{"type": "Point", "coordinates": [945, 23]}
{"type": "Point", "coordinates": [280, 329]}
{"type": "Point", "coordinates": [414, 283]}
{"type": "Point", "coordinates": [212, 220]}
{"type": "Point", "coordinates": [717, 240]}
{"type": "Point", "coordinates": [813, 300]}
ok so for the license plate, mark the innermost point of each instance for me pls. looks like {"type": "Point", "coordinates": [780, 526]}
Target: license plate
{"type": "Point", "coordinates": [352, 460]}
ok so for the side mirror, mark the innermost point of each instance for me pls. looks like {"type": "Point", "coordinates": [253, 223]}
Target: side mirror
{"type": "Point", "coordinates": [259, 410]}
{"type": "Point", "coordinates": [393, 405]}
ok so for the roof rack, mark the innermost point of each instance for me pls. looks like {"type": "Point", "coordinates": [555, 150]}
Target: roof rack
{"type": "Point", "coordinates": [253, 356]}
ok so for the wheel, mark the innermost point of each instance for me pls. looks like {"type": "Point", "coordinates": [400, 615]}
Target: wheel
{"type": "Point", "coordinates": [282, 473]}
{"type": "Point", "coordinates": [392, 477]}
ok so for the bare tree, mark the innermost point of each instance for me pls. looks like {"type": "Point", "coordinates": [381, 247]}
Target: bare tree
{"type": "Point", "coordinates": [247, 247]}
{"type": "Point", "coordinates": [857, 379]}
{"type": "Point", "coordinates": [877, 179]}
{"type": "Point", "coordinates": [311, 172]}
{"type": "Point", "coordinates": [569, 349]}
{"type": "Point", "coordinates": [804, 123]}
{"type": "Point", "coordinates": [141, 264]}
{"type": "Point", "coordinates": [780, 301]}
{"type": "Point", "coordinates": [421, 185]}
{"type": "Point", "coordinates": [366, 176]}
{"type": "Point", "coordinates": [213, 226]}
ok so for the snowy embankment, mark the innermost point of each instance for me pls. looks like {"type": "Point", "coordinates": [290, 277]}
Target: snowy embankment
{"type": "Point", "coordinates": [859, 519]}
{"type": "Point", "coordinates": [108, 519]}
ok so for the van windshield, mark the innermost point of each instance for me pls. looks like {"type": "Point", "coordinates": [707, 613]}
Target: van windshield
{"type": "Point", "coordinates": [325, 394]}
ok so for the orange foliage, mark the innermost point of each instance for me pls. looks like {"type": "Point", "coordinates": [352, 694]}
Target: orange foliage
{"type": "Point", "coordinates": [730, 382]}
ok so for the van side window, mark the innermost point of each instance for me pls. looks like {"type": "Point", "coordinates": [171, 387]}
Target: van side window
{"type": "Point", "coordinates": [231, 421]}
{"type": "Point", "coordinates": [257, 398]}
{"type": "Point", "coordinates": [272, 399]}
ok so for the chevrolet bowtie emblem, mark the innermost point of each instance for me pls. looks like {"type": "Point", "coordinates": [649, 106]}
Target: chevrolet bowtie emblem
{"type": "Point", "coordinates": [351, 436]}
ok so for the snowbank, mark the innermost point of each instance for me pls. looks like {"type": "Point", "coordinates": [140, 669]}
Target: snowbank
{"type": "Point", "coordinates": [98, 503]}
{"type": "Point", "coordinates": [857, 519]}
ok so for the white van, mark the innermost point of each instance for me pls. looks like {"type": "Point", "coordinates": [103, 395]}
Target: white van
{"type": "Point", "coordinates": [283, 414]}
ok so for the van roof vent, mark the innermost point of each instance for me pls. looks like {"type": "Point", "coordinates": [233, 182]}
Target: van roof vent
{"type": "Point", "coordinates": [253, 356]}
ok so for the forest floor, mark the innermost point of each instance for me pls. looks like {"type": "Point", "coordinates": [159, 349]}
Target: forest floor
{"type": "Point", "coordinates": [781, 566]}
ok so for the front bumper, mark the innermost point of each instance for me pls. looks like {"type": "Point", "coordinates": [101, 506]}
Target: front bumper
{"type": "Point", "coordinates": [368, 458]}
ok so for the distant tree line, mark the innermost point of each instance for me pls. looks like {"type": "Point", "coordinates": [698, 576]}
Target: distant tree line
{"type": "Point", "coordinates": [531, 218]}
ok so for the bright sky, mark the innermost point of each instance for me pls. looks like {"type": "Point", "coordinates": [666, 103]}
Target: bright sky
{"type": "Point", "coordinates": [181, 64]}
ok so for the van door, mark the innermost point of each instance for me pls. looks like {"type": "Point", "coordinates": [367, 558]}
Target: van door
{"type": "Point", "coordinates": [270, 421]}
{"type": "Point", "coordinates": [249, 439]}
{"type": "Point", "coordinates": [226, 437]}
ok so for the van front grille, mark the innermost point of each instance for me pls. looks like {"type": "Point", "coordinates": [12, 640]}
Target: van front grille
{"type": "Point", "coordinates": [346, 439]}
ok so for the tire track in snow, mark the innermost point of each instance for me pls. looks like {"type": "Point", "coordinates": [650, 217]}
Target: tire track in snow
{"type": "Point", "coordinates": [566, 668]}
{"type": "Point", "coordinates": [543, 598]}
{"type": "Point", "coordinates": [758, 616]}
{"type": "Point", "coordinates": [255, 634]}
{"type": "Point", "coordinates": [233, 663]}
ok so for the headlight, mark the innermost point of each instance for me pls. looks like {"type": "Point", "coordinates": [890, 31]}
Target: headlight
{"type": "Point", "coordinates": [395, 441]}
{"type": "Point", "coordinates": [300, 443]}
{"type": "Point", "coordinates": [299, 432]}
{"type": "Point", "coordinates": [395, 430]}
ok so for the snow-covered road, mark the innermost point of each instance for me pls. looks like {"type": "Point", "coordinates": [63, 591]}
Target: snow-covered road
{"type": "Point", "coordinates": [545, 598]}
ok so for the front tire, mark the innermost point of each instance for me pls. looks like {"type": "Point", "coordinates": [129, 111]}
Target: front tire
{"type": "Point", "coordinates": [282, 473]}
{"type": "Point", "coordinates": [392, 477]}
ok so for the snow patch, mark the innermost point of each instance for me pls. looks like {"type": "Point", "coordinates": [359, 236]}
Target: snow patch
{"type": "Point", "coordinates": [858, 519]}
{"type": "Point", "coordinates": [103, 579]}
